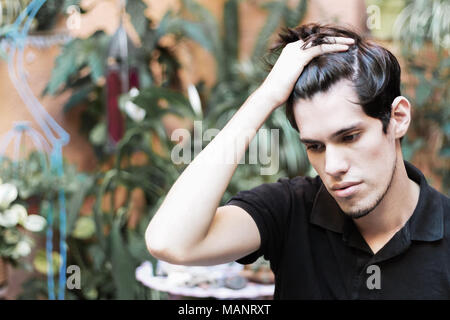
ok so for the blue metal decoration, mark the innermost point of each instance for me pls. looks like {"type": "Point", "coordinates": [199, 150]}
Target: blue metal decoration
{"type": "Point", "coordinates": [55, 137]}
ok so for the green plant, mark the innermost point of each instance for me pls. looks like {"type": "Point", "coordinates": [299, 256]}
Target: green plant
{"type": "Point", "coordinates": [81, 69]}
{"type": "Point", "coordinates": [15, 243]}
{"type": "Point", "coordinates": [38, 188]}
{"type": "Point", "coordinates": [421, 21]}
{"type": "Point", "coordinates": [422, 30]}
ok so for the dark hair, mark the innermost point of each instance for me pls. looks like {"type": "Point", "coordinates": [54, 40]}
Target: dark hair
{"type": "Point", "coordinates": [373, 70]}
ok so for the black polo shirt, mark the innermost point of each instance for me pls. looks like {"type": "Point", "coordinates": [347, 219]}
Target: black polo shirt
{"type": "Point", "coordinates": [317, 252]}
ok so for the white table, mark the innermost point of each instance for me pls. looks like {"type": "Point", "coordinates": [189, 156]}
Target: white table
{"type": "Point", "coordinates": [144, 274]}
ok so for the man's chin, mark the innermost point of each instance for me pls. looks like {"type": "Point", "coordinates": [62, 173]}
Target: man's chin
{"type": "Point", "coordinates": [356, 211]}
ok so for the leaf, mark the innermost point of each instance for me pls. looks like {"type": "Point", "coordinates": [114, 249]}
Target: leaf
{"type": "Point", "coordinates": [98, 212]}
{"type": "Point", "coordinates": [95, 62]}
{"type": "Point", "coordinates": [98, 256]}
{"type": "Point", "coordinates": [65, 66]}
{"type": "Point", "coordinates": [445, 152]}
{"type": "Point", "coordinates": [136, 10]}
{"type": "Point", "coordinates": [123, 264]}
{"type": "Point", "coordinates": [138, 248]}
{"type": "Point", "coordinates": [78, 97]}
{"type": "Point", "coordinates": [272, 23]}
{"type": "Point", "coordinates": [231, 29]}
{"type": "Point", "coordinates": [194, 31]}
{"type": "Point", "coordinates": [293, 17]}
{"type": "Point", "coordinates": [166, 22]}
{"type": "Point", "coordinates": [84, 228]}
{"type": "Point", "coordinates": [444, 63]}
{"type": "Point", "coordinates": [202, 14]}
{"type": "Point", "coordinates": [211, 29]}
{"type": "Point", "coordinates": [446, 129]}
{"type": "Point", "coordinates": [98, 134]}
{"type": "Point", "coordinates": [41, 265]}
{"type": "Point", "coordinates": [178, 103]}
{"type": "Point", "coordinates": [410, 147]}
{"type": "Point", "coordinates": [423, 92]}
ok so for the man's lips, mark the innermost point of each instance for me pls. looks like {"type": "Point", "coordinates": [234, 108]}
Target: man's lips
{"type": "Point", "coordinates": [345, 189]}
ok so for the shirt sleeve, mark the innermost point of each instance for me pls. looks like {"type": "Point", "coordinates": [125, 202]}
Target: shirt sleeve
{"type": "Point", "coordinates": [269, 205]}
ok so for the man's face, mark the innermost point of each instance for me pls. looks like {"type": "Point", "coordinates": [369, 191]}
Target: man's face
{"type": "Point", "coordinates": [349, 150]}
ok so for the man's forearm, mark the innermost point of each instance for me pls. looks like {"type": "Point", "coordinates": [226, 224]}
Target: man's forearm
{"type": "Point", "coordinates": [186, 214]}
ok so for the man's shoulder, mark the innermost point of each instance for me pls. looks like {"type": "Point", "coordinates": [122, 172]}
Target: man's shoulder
{"type": "Point", "coordinates": [303, 187]}
{"type": "Point", "coordinates": [446, 210]}
{"type": "Point", "coordinates": [302, 183]}
{"type": "Point", "coordinates": [294, 183]}
{"type": "Point", "coordinates": [440, 204]}
{"type": "Point", "coordinates": [439, 196]}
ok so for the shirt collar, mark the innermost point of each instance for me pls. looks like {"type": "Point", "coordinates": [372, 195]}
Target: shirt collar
{"type": "Point", "coordinates": [425, 224]}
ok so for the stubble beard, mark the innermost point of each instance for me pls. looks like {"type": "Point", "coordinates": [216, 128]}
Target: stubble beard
{"type": "Point", "coordinates": [362, 212]}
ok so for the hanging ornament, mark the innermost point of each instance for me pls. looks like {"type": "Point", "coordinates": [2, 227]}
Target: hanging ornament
{"type": "Point", "coordinates": [121, 77]}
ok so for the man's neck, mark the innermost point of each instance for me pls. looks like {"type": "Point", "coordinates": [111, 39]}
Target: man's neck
{"type": "Point", "coordinates": [392, 213]}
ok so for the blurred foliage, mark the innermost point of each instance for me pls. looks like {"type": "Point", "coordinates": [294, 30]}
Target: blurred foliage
{"type": "Point", "coordinates": [423, 31]}
{"type": "Point", "coordinates": [108, 242]}
{"type": "Point", "coordinates": [45, 19]}
{"type": "Point", "coordinates": [105, 243]}
{"type": "Point", "coordinates": [421, 21]}
{"type": "Point", "coordinates": [81, 69]}
{"type": "Point", "coordinates": [33, 177]}
{"type": "Point", "coordinates": [38, 188]}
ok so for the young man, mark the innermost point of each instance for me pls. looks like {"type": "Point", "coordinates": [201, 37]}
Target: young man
{"type": "Point", "coordinates": [367, 227]}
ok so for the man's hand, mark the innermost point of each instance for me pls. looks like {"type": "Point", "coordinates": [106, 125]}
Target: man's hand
{"type": "Point", "coordinates": [281, 80]}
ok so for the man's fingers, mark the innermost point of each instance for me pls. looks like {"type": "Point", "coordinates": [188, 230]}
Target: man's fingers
{"type": "Point", "coordinates": [326, 48]}
{"type": "Point", "coordinates": [339, 40]}
{"type": "Point", "coordinates": [296, 44]}
{"type": "Point", "coordinates": [309, 45]}
{"type": "Point", "coordinates": [331, 41]}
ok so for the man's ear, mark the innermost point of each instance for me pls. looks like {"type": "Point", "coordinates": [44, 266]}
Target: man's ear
{"type": "Point", "coordinates": [401, 116]}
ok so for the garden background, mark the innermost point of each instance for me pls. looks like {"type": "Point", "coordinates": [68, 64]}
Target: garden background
{"type": "Point", "coordinates": [193, 60]}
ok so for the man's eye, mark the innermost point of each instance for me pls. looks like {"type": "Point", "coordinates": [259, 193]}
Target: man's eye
{"type": "Point", "coordinates": [351, 137]}
{"type": "Point", "coordinates": [314, 147]}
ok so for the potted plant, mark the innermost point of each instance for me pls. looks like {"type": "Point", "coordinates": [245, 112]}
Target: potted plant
{"type": "Point", "coordinates": [15, 228]}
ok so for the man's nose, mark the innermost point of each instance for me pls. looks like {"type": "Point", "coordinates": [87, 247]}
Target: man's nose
{"type": "Point", "coordinates": [336, 163]}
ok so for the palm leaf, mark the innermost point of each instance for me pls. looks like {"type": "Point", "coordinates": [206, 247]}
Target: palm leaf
{"type": "Point", "coordinates": [135, 9]}
{"type": "Point", "coordinates": [123, 263]}
{"type": "Point", "coordinates": [211, 29]}
{"type": "Point", "coordinates": [231, 34]}
{"type": "Point", "coordinates": [293, 17]}
{"type": "Point", "coordinates": [276, 12]}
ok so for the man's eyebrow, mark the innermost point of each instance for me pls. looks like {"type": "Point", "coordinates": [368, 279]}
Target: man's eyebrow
{"type": "Point", "coordinates": [335, 134]}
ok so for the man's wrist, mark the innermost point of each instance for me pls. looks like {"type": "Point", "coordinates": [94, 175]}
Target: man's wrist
{"type": "Point", "coordinates": [265, 97]}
